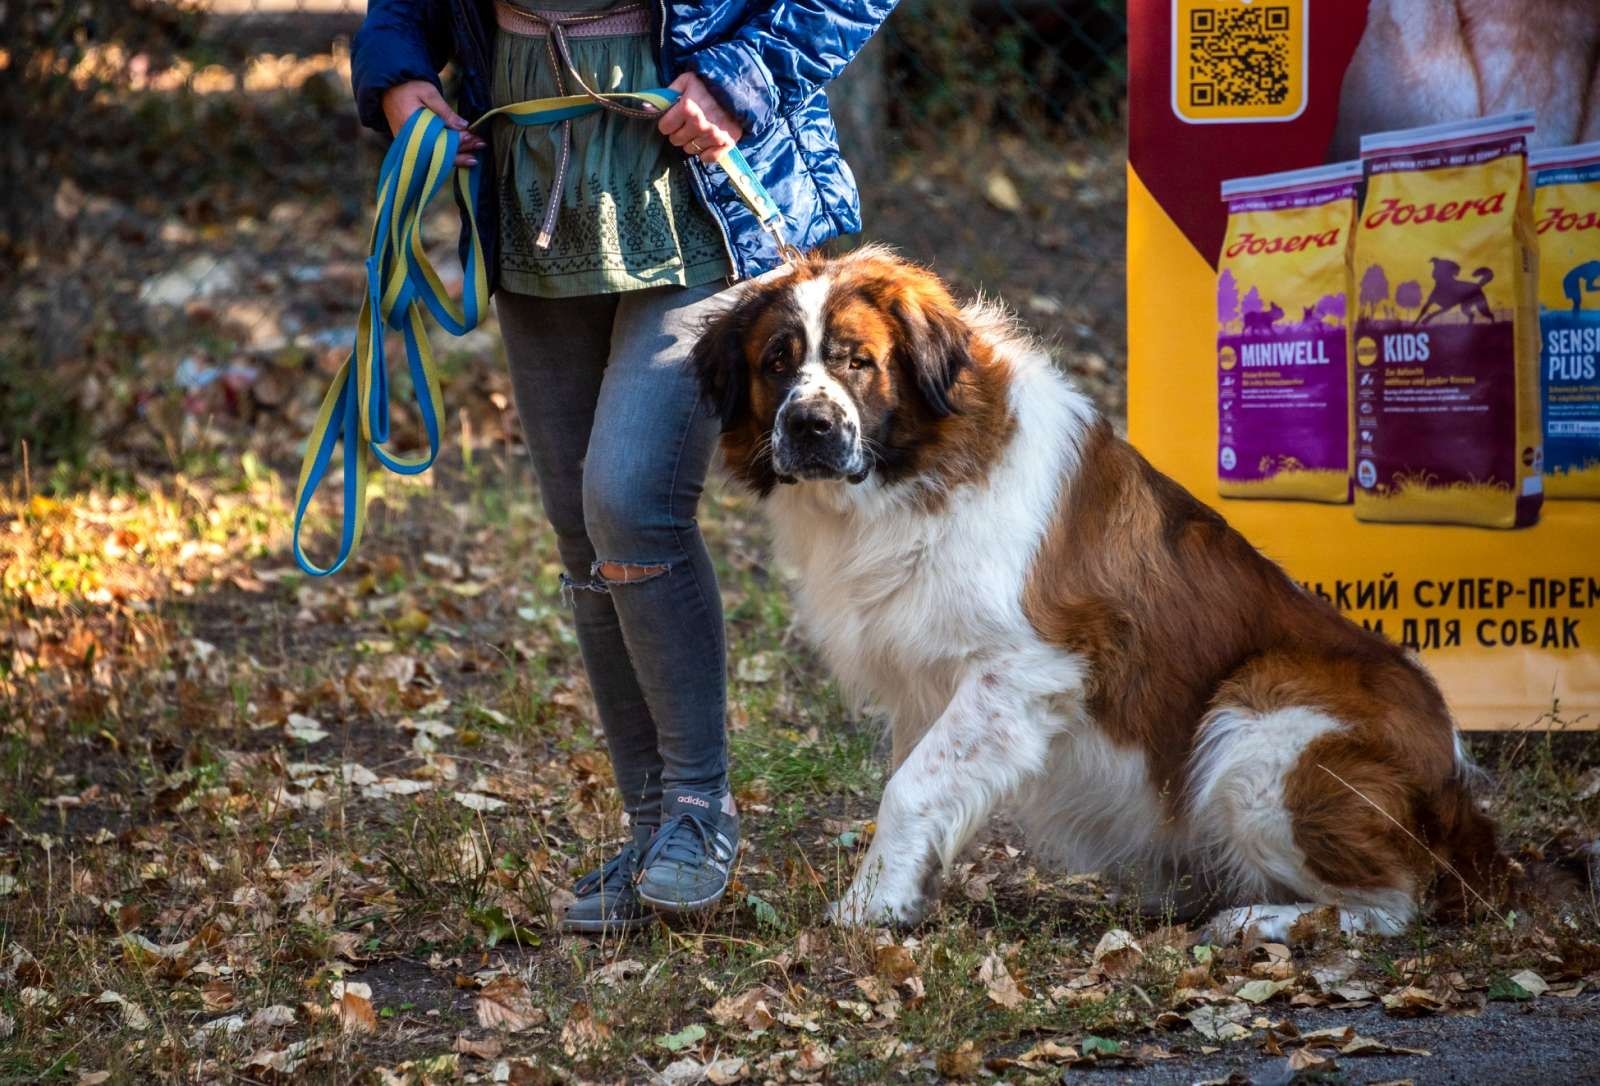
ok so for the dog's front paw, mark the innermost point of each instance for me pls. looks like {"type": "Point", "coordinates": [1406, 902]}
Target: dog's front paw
{"type": "Point", "coordinates": [1260, 923]}
{"type": "Point", "coordinates": [863, 908]}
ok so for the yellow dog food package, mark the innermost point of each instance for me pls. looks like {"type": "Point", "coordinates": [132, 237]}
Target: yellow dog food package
{"type": "Point", "coordinates": [1446, 331]}
{"type": "Point", "coordinates": [1508, 622]}
{"type": "Point", "coordinates": [1283, 340]}
{"type": "Point", "coordinates": [1566, 214]}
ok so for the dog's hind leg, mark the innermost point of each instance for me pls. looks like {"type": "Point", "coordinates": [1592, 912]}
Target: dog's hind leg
{"type": "Point", "coordinates": [991, 738]}
{"type": "Point", "coordinates": [1299, 811]}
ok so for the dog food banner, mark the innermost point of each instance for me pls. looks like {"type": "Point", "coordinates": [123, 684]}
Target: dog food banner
{"type": "Point", "coordinates": [1361, 327]}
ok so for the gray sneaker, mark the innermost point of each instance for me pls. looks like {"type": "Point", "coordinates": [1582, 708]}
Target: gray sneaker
{"type": "Point", "coordinates": [607, 902]}
{"type": "Point", "coordinates": [687, 866]}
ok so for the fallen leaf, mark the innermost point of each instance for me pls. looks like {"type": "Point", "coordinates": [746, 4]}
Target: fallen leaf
{"type": "Point", "coordinates": [475, 801]}
{"type": "Point", "coordinates": [217, 995]}
{"type": "Point", "coordinates": [505, 1003]}
{"type": "Point", "coordinates": [758, 667]}
{"type": "Point", "coordinates": [1411, 1001]}
{"type": "Point", "coordinates": [1304, 1059]}
{"type": "Point", "coordinates": [725, 1071]}
{"type": "Point", "coordinates": [691, 1034]}
{"type": "Point", "coordinates": [1001, 985]}
{"type": "Point", "coordinates": [682, 1072]}
{"type": "Point", "coordinates": [1041, 1055]}
{"type": "Point", "coordinates": [963, 1061]}
{"type": "Point", "coordinates": [806, 1022]}
{"type": "Point", "coordinates": [1117, 953]}
{"type": "Point", "coordinates": [287, 1060]}
{"type": "Point", "coordinates": [1219, 1023]}
{"type": "Point", "coordinates": [1100, 1046]}
{"type": "Point", "coordinates": [582, 1034]}
{"type": "Point", "coordinates": [814, 1057]}
{"type": "Point", "coordinates": [133, 1015]}
{"type": "Point", "coordinates": [352, 1005]}
{"type": "Point", "coordinates": [1001, 191]}
{"type": "Point", "coordinates": [1259, 991]}
{"type": "Point", "coordinates": [748, 1009]}
{"type": "Point", "coordinates": [274, 1017]}
{"type": "Point", "coordinates": [482, 1048]}
{"type": "Point", "coordinates": [1368, 1046]}
{"type": "Point", "coordinates": [395, 786]}
{"type": "Point", "coordinates": [617, 972]}
{"type": "Point", "coordinates": [894, 963]}
{"type": "Point", "coordinates": [303, 729]}
{"type": "Point", "coordinates": [1530, 982]}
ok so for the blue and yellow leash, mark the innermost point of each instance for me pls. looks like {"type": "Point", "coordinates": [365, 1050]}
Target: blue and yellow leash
{"type": "Point", "coordinates": [401, 283]}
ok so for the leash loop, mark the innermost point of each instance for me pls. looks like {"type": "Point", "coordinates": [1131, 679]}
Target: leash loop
{"type": "Point", "coordinates": [402, 283]}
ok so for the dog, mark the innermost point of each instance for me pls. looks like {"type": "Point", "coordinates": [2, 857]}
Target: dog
{"type": "Point", "coordinates": [1585, 278]}
{"type": "Point", "coordinates": [1054, 628]}
{"type": "Point", "coordinates": [1450, 291]}
{"type": "Point", "coordinates": [1421, 62]}
{"type": "Point", "coordinates": [1262, 321]}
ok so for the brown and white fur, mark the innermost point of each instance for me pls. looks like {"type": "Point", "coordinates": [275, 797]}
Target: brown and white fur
{"type": "Point", "coordinates": [1056, 629]}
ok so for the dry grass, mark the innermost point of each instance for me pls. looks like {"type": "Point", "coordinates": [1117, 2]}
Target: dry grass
{"type": "Point", "coordinates": [1292, 484]}
{"type": "Point", "coordinates": [176, 834]}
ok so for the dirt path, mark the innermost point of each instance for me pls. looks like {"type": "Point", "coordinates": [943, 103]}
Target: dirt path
{"type": "Point", "coordinates": [1549, 1043]}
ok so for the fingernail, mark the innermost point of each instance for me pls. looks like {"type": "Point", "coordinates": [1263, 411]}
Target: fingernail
{"type": "Point", "coordinates": [458, 123]}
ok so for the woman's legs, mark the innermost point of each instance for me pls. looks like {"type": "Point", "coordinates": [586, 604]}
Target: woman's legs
{"type": "Point", "coordinates": [558, 349]}
{"type": "Point", "coordinates": [621, 443]}
{"type": "Point", "coordinates": [649, 451]}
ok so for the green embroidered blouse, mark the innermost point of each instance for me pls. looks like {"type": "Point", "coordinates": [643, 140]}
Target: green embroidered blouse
{"type": "Point", "coordinates": [629, 216]}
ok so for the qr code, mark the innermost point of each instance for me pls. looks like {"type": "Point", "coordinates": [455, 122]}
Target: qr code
{"type": "Point", "coordinates": [1240, 57]}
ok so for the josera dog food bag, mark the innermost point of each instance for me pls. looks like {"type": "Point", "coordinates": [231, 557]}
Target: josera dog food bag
{"type": "Point", "coordinates": [1446, 544]}
{"type": "Point", "coordinates": [1566, 215]}
{"type": "Point", "coordinates": [1446, 348]}
{"type": "Point", "coordinates": [1283, 338]}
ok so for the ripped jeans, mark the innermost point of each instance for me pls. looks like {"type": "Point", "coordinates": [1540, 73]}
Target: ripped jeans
{"type": "Point", "coordinates": [621, 442]}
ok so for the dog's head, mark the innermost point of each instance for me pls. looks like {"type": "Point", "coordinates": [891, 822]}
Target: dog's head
{"type": "Point", "coordinates": [836, 370]}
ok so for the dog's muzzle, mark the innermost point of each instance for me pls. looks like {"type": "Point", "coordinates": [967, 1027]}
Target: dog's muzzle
{"type": "Point", "coordinates": [814, 439]}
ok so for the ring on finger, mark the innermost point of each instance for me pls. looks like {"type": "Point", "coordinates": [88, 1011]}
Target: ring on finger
{"type": "Point", "coordinates": [693, 147]}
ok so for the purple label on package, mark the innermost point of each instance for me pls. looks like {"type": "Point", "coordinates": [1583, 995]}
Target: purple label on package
{"type": "Point", "coordinates": [1282, 401]}
{"type": "Point", "coordinates": [1435, 405]}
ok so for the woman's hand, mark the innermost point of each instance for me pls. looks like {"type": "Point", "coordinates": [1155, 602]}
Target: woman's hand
{"type": "Point", "coordinates": [403, 99]}
{"type": "Point", "coordinates": [697, 122]}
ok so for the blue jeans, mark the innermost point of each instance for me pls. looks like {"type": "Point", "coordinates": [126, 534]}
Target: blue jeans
{"type": "Point", "coordinates": [621, 442]}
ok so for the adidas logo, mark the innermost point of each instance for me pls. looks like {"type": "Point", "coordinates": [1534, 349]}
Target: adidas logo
{"type": "Point", "coordinates": [696, 801]}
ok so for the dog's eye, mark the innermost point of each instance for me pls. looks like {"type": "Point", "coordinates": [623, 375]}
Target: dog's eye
{"type": "Point", "coordinates": [861, 362]}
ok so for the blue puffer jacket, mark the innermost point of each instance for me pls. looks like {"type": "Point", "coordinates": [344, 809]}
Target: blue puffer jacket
{"type": "Point", "coordinates": [767, 63]}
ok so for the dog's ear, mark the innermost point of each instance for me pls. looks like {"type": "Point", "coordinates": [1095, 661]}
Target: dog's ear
{"type": "Point", "coordinates": [719, 362]}
{"type": "Point", "coordinates": [935, 345]}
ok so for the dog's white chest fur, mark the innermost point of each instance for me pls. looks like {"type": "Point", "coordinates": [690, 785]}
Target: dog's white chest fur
{"type": "Point", "coordinates": [902, 602]}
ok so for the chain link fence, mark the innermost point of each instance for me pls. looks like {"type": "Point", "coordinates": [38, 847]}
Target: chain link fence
{"type": "Point", "coordinates": [187, 191]}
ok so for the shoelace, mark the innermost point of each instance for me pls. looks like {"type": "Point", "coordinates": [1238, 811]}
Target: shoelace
{"type": "Point", "coordinates": [612, 878]}
{"type": "Point", "coordinates": [679, 847]}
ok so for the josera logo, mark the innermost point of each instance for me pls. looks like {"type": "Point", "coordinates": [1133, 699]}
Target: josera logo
{"type": "Point", "coordinates": [1296, 243]}
{"type": "Point", "coordinates": [1391, 212]}
{"type": "Point", "coordinates": [1563, 221]}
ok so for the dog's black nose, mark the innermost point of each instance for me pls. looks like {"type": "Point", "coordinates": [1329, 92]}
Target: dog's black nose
{"type": "Point", "coordinates": [813, 420]}
{"type": "Point", "coordinates": [814, 423]}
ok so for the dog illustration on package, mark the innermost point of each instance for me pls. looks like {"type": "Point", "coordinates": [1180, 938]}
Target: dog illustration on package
{"type": "Point", "coordinates": [1452, 367]}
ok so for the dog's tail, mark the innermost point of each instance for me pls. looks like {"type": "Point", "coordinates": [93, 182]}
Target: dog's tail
{"type": "Point", "coordinates": [1483, 275]}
